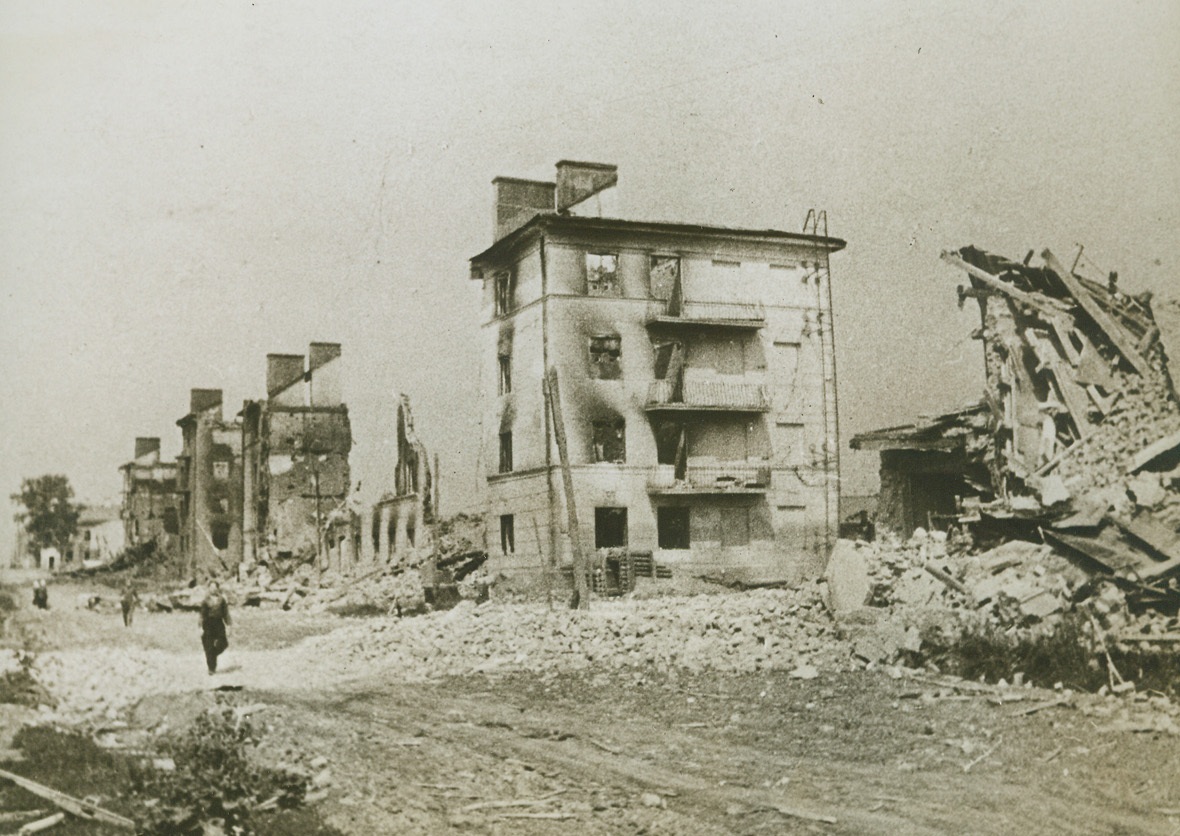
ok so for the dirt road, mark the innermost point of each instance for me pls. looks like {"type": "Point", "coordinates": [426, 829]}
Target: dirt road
{"type": "Point", "coordinates": [630, 750]}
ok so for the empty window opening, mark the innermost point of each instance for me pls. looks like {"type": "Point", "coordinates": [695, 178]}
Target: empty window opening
{"type": "Point", "coordinates": [505, 374]}
{"type": "Point", "coordinates": [606, 353]}
{"type": "Point", "coordinates": [665, 272]}
{"type": "Point", "coordinates": [507, 534]}
{"type": "Point", "coordinates": [410, 532]}
{"type": "Point", "coordinates": [610, 440]}
{"type": "Point", "coordinates": [219, 534]}
{"type": "Point", "coordinates": [221, 470]}
{"type": "Point", "coordinates": [375, 530]}
{"type": "Point", "coordinates": [505, 290]}
{"type": "Point", "coordinates": [506, 452]}
{"type": "Point", "coordinates": [672, 525]}
{"type": "Point", "coordinates": [735, 527]}
{"type": "Point", "coordinates": [602, 274]}
{"type": "Point", "coordinates": [610, 528]}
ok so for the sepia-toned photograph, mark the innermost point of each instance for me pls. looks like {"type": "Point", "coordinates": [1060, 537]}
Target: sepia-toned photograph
{"type": "Point", "coordinates": [640, 418]}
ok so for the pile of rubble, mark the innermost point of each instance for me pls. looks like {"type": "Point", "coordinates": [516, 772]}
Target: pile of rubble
{"type": "Point", "coordinates": [888, 594]}
{"type": "Point", "coordinates": [1076, 442]}
{"type": "Point", "coordinates": [758, 630]}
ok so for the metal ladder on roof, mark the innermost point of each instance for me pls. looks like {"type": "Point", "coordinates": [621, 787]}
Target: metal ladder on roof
{"type": "Point", "coordinates": [816, 225]}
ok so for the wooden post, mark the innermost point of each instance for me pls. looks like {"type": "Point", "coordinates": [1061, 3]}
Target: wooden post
{"type": "Point", "coordinates": [580, 581]}
{"type": "Point", "coordinates": [546, 568]}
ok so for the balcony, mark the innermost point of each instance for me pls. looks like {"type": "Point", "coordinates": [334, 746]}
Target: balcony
{"type": "Point", "coordinates": [708, 396]}
{"type": "Point", "coordinates": [742, 315]}
{"type": "Point", "coordinates": [736, 478]}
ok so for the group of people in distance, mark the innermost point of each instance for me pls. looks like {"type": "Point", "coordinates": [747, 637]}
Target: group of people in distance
{"type": "Point", "coordinates": [214, 616]}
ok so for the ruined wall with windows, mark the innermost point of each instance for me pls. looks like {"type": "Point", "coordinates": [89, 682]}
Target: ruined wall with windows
{"type": "Point", "coordinates": [400, 526]}
{"type": "Point", "coordinates": [296, 444]}
{"type": "Point", "coordinates": [209, 482]}
{"type": "Point", "coordinates": [150, 509]}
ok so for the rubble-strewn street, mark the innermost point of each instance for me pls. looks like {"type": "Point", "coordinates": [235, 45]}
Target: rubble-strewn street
{"type": "Point", "coordinates": [729, 713]}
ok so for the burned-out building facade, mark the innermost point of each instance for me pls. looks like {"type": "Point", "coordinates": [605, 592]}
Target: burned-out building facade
{"type": "Point", "coordinates": [151, 503]}
{"type": "Point", "coordinates": [295, 445]}
{"type": "Point", "coordinates": [696, 386]}
{"type": "Point", "coordinates": [209, 484]}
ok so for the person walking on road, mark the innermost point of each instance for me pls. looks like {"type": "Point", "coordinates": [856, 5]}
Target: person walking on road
{"type": "Point", "coordinates": [214, 620]}
{"type": "Point", "coordinates": [130, 601]}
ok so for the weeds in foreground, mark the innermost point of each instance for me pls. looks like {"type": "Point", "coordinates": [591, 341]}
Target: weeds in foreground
{"type": "Point", "coordinates": [215, 778]}
{"type": "Point", "coordinates": [1066, 652]}
{"type": "Point", "coordinates": [20, 686]}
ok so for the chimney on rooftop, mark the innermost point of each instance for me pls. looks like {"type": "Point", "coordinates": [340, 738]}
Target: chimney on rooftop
{"type": "Point", "coordinates": [201, 400]}
{"type": "Point", "coordinates": [577, 182]}
{"type": "Point", "coordinates": [323, 366]}
{"type": "Point", "coordinates": [283, 370]}
{"type": "Point", "coordinates": [517, 201]}
{"type": "Point", "coordinates": [145, 446]}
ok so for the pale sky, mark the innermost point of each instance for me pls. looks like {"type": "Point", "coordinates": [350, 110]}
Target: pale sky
{"type": "Point", "coordinates": [187, 186]}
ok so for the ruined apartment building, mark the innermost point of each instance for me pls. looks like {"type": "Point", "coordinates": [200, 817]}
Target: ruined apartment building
{"type": "Point", "coordinates": [697, 381]}
{"type": "Point", "coordinates": [150, 501]}
{"type": "Point", "coordinates": [295, 446]}
{"type": "Point", "coordinates": [209, 481]}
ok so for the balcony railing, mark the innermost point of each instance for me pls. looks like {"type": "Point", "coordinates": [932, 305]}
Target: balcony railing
{"type": "Point", "coordinates": [739, 477]}
{"type": "Point", "coordinates": [709, 395]}
{"type": "Point", "coordinates": [721, 314]}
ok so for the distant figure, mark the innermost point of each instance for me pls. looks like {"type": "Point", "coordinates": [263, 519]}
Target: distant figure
{"type": "Point", "coordinates": [130, 601]}
{"type": "Point", "coordinates": [40, 595]}
{"type": "Point", "coordinates": [214, 620]}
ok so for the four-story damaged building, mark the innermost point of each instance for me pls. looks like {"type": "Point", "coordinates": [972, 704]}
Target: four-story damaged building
{"type": "Point", "coordinates": [696, 385]}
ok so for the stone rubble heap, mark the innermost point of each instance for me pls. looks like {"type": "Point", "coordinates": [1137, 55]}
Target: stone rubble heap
{"type": "Point", "coordinates": [757, 630]}
{"type": "Point", "coordinates": [760, 630]}
{"type": "Point", "coordinates": [887, 594]}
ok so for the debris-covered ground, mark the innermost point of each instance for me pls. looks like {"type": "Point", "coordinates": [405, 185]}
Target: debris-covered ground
{"type": "Point", "coordinates": [731, 713]}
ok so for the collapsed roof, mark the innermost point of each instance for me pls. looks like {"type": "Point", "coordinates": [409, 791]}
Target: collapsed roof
{"type": "Point", "coordinates": [1080, 428]}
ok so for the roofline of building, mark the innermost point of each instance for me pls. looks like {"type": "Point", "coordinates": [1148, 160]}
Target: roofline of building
{"type": "Point", "coordinates": [901, 437]}
{"type": "Point", "coordinates": [544, 220]}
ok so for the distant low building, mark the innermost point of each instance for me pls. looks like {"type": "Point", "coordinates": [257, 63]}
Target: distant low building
{"type": "Point", "coordinates": [99, 537]}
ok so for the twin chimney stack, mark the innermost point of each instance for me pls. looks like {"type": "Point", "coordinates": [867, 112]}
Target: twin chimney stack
{"type": "Point", "coordinates": [290, 383]}
{"type": "Point", "coordinates": [519, 201]}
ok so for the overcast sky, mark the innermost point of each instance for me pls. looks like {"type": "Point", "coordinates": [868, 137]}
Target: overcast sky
{"type": "Point", "coordinates": [187, 186]}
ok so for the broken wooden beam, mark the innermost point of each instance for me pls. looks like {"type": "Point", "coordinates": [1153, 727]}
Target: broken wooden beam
{"type": "Point", "coordinates": [1043, 303]}
{"type": "Point", "coordinates": [1117, 334]}
{"type": "Point", "coordinates": [74, 806]}
{"type": "Point", "coordinates": [42, 824]}
{"type": "Point", "coordinates": [501, 805]}
{"type": "Point", "coordinates": [946, 577]}
{"type": "Point", "coordinates": [1152, 452]}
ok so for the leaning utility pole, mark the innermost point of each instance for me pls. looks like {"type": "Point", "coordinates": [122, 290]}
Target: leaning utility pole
{"type": "Point", "coordinates": [580, 580]}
